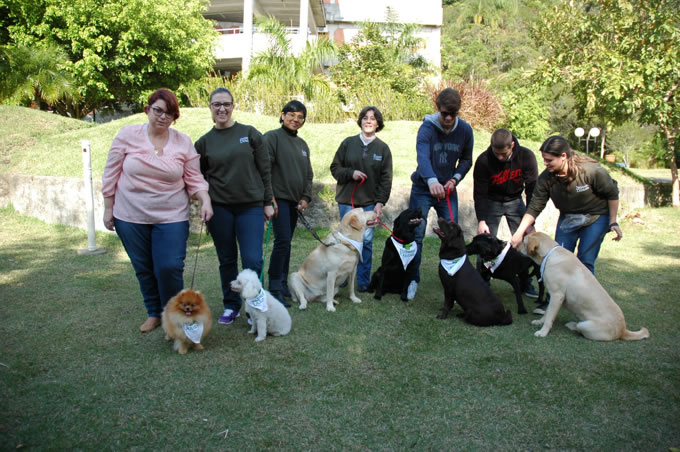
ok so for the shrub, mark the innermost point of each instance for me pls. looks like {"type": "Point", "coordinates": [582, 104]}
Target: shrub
{"type": "Point", "coordinates": [479, 107]}
{"type": "Point", "coordinates": [526, 113]}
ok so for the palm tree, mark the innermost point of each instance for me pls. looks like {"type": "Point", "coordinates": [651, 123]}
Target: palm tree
{"type": "Point", "coordinates": [302, 74]}
{"type": "Point", "coordinates": [487, 12]}
{"type": "Point", "coordinates": [34, 74]}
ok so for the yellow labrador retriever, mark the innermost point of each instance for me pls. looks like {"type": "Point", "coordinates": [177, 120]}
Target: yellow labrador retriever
{"type": "Point", "coordinates": [329, 266]}
{"type": "Point", "coordinates": [569, 281]}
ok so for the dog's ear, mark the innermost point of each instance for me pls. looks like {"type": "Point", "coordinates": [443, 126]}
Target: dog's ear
{"type": "Point", "coordinates": [532, 245]}
{"type": "Point", "coordinates": [355, 223]}
{"type": "Point", "coordinates": [251, 287]}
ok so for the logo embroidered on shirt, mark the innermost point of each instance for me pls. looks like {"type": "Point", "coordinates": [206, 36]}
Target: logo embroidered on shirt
{"type": "Point", "coordinates": [377, 157]}
{"type": "Point", "coordinates": [244, 140]}
{"type": "Point", "coordinates": [581, 188]}
{"type": "Point", "coordinates": [304, 153]}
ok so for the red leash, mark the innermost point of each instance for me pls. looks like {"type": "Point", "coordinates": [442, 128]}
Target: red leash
{"type": "Point", "coordinates": [448, 201]}
{"type": "Point", "coordinates": [355, 190]}
{"type": "Point", "coordinates": [392, 233]}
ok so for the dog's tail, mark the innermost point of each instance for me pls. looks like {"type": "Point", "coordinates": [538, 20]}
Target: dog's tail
{"type": "Point", "coordinates": [635, 335]}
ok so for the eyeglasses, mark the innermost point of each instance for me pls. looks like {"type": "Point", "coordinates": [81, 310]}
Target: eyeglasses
{"type": "Point", "coordinates": [293, 115]}
{"type": "Point", "coordinates": [160, 112]}
{"type": "Point", "coordinates": [219, 105]}
{"type": "Point", "coordinates": [444, 113]}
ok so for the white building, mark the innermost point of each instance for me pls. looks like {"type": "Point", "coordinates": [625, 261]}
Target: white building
{"type": "Point", "coordinates": [338, 19]}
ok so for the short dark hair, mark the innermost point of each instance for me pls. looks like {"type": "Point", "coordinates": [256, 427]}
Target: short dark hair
{"type": "Point", "coordinates": [501, 139]}
{"type": "Point", "coordinates": [221, 90]}
{"type": "Point", "coordinates": [449, 99]}
{"type": "Point", "coordinates": [167, 96]}
{"type": "Point", "coordinates": [294, 106]}
{"type": "Point", "coordinates": [376, 112]}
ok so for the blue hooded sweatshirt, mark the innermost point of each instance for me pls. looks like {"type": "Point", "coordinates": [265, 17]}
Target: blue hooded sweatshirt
{"type": "Point", "coordinates": [442, 156]}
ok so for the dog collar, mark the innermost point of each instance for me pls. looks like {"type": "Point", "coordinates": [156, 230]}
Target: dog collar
{"type": "Point", "coordinates": [406, 251]}
{"type": "Point", "coordinates": [493, 264]}
{"type": "Point", "coordinates": [357, 245]}
{"type": "Point", "coordinates": [193, 331]}
{"type": "Point", "coordinates": [452, 265]}
{"type": "Point", "coordinates": [259, 302]}
{"type": "Point", "coordinates": [545, 259]}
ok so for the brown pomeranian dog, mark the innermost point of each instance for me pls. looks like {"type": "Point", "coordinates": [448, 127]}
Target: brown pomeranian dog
{"type": "Point", "coordinates": [187, 320]}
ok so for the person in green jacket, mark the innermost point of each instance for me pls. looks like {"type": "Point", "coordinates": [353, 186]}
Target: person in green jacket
{"type": "Point", "coordinates": [363, 168]}
{"type": "Point", "coordinates": [236, 165]}
{"type": "Point", "coordinates": [292, 176]}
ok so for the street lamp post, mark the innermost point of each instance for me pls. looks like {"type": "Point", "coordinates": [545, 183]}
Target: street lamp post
{"type": "Point", "coordinates": [593, 132]}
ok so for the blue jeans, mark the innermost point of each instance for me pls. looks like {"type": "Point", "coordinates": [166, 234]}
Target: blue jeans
{"type": "Point", "coordinates": [589, 240]}
{"type": "Point", "coordinates": [284, 227]}
{"type": "Point", "coordinates": [228, 226]}
{"type": "Point", "coordinates": [157, 253]}
{"type": "Point", "coordinates": [422, 199]}
{"type": "Point", "coordinates": [364, 266]}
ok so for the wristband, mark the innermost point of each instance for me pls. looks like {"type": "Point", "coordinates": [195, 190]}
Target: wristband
{"type": "Point", "coordinates": [613, 224]}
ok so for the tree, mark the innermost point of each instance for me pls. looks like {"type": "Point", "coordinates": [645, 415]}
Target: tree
{"type": "Point", "coordinates": [278, 66]}
{"type": "Point", "coordinates": [619, 59]}
{"type": "Point", "coordinates": [118, 50]}
{"type": "Point", "coordinates": [35, 75]}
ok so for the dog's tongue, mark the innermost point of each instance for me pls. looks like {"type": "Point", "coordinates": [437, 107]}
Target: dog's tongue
{"type": "Point", "coordinates": [188, 313]}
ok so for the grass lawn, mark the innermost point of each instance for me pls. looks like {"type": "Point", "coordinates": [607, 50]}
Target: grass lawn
{"type": "Point", "coordinates": [76, 374]}
{"type": "Point", "coordinates": [51, 145]}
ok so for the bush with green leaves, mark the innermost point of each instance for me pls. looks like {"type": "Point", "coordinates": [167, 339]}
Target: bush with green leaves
{"type": "Point", "coordinates": [526, 113]}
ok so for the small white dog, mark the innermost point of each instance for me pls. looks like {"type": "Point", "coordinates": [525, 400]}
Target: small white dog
{"type": "Point", "coordinates": [266, 312]}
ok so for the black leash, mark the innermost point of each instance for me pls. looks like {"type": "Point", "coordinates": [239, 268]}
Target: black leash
{"type": "Point", "coordinates": [309, 227]}
{"type": "Point", "coordinates": [193, 275]}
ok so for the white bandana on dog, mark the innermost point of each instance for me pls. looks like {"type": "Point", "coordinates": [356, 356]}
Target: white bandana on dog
{"type": "Point", "coordinates": [358, 245]}
{"type": "Point", "coordinates": [453, 265]}
{"type": "Point", "coordinates": [259, 302]}
{"type": "Point", "coordinates": [493, 264]}
{"type": "Point", "coordinates": [194, 331]}
{"type": "Point", "coordinates": [406, 252]}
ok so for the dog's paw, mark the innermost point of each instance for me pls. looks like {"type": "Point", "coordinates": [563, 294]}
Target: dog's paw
{"type": "Point", "coordinates": [443, 315]}
{"type": "Point", "coordinates": [303, 306]}
{"type": "Point", "coordinates": [355, 299]}
{"type": "Point", "coordinates": [522, 311]}
{"type": "Point", "coordinates": [252, 331]}
{"type": "Point", "coordinates": [571, 325]}
{"type": "Point", "coordinates": [168, 338]}
{"type": "Point", "coordinates": [198, 347]}
{"type": "Point", "coordinates": [259, 339]}
{"type": "Point", "coordinates": [538, 322]}
{"type": "Point", "coordinates": [330, 308]}
{"type": "Point", "coordinates": [541, 333]}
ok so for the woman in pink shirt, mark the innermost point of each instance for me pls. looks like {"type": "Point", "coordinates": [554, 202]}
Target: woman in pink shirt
{"type": "Point", "coordinates": [151, 173]}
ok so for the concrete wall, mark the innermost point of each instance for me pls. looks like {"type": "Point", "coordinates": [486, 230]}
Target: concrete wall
{"type": "Point", "coordinates": [62, 200]}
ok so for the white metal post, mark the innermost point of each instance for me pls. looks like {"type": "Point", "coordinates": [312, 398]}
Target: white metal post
{"type": "Point", "coordinates": [89, 200]}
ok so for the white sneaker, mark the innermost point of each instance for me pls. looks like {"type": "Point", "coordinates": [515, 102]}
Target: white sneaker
{"type": "Point", "coordinates": [412, 289]}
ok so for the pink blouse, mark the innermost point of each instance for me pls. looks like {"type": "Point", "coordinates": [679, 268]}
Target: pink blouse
{"type": "Point", "coordinates": [149, 189]}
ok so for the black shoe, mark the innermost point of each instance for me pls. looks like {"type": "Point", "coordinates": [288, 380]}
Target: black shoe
{"type": "Point", "coordinates": [285, 292]}
{"type": "Point", "coordinates": [277, 294]}
{"type": "Point", "coordinates": [530, 291]}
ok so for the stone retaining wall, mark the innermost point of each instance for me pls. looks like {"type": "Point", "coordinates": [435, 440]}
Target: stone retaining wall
{"type": "Point", "coordinates": [62, 200]}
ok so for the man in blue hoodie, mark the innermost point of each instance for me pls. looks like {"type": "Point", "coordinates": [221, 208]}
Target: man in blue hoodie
{"type": "Point", "coordinates": [444, 148]}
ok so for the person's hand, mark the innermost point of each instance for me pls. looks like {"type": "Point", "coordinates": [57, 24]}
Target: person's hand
{"type": "Point", "coordinates": [450, 185]}
{"type": "Point", "coordinates": [206, 211]}
{"type": "Point", "coordinates": [268, 212]}
{"type": "Point", "coordinates": [276, 208]}
{"type": "Point", "coordinates": [358, 175]}
{"type": "Point", "coordinates": [108, 219]}
{"type": "Point", "coordinates": [616, 228]}
{"type": "Point", "coordinates": [483, 228]}
{"type": "Point", "coordinates": [302, 205]}
{"type": "Point", "coordinates": [516, 239]}
{"type": "Point", "coordinates": [378, 209]}
{"type": "Point", "coordinates": [437, 190]}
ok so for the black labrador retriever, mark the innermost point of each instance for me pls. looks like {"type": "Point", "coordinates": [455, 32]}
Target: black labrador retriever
{"type": "Point", "coordinates": [514, 268]}
{"type": "Point", "coordinates": [397, 269]}
{"type": "Point", "coordinates": [464, 284]}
